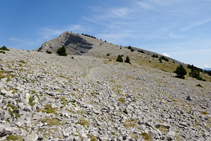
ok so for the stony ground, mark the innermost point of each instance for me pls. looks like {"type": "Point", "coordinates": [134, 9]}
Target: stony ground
{"type": "Point", "coordinates": [49, 97]}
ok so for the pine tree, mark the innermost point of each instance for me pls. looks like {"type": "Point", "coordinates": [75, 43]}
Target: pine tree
{"type": "Point", "coordinates": [62, 51]}
{"type": "Point", "coordinates": [181, 72]}
{"type": "Point", "coordinates": [119, 58]}
{"type": "Point", "coordinates": [127, 60]}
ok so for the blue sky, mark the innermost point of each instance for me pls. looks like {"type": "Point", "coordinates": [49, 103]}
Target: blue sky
{"type": "Point", "coordinates": [180, 29]}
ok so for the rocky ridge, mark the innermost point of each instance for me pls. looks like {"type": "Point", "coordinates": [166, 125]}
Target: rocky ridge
{"type": "Point", "coordinates": [49, 97]}
{"type": "Point", "coordinates": [77, 44]}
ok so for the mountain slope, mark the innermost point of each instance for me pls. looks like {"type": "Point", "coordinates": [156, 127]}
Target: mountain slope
{"type": "Point", "coordinates": [49, 97]}
{"type": "Point", "coordinates": [77, 44]}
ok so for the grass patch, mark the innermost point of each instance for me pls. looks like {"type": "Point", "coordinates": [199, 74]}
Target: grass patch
{"type": "Point", "coordinates": [92, 138]}
{"type": "Point", "coordinates": [12, 113]}
{"type": "Point", "coordinates": [162, 128]}
{"type": "Point", "coordinates": [204, 113]}
{"type": "Point", "coordinates": [62, 98]}
{"type": "Point", "coordinates": [22, 61]}
{"type": "Point", "coordinates": [31, 103]}
{"type": "Point", "coordinates": [48, 109]}
{"type": "Point", "coordinates": [14, 138]}
{"type": "Point", "coordinates": [52, 121]}
{"type": "Point", "coordinates": [11, 106]}
{"type": "Point", "coordinates": [122, 100]}
{"type": "Point", "coordinates": [83, 122]}
{"type": "Point", "coordinates": [130, 123]}
{"type": "Point", "coordinates": [146, 136]}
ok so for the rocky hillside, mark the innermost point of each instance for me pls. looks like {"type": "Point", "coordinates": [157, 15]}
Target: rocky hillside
{"type": "Point", "coordinates": [77, 44]}
{"type": "Point", "coordinates": [49, 97]}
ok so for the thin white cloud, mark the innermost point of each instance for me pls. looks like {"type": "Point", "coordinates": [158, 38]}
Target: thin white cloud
{"type": "Point", "coordinates": [166, 54]}
{"type": "Point", "coordinates": [120, 12]}
{"type": "Point", "coordinates": [21, 41]}
{"type": "Point", "coordinates": [172, 35]}
{"type": "Point", "coordinates": [196, 24]}
{"type": "Point", "coordinates": [145, 5]}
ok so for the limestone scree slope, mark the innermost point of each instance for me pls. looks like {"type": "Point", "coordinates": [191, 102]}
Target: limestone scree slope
{"type": "Point", "coordinates": [89, 96]}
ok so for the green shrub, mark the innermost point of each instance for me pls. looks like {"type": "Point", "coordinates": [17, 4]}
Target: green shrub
{"type": "Point", "coordinates": [119, 58]}
{"type": "Point", "coordinates": [62, 51]}
{"type": "Point", "coordinates": [31, 103]}
{"type": "Point", "coordinates": [127, 60]}
{"type": "Point", "coordinates": [164, 58]}
{"type": "Point", "coordinates": [199, 85]}
{"type": "Point", "coordinates": [4, 48]}
{"type": "Point", "coordinates": [141, 51]}
{"type": "Point", "coordinates": [129, 47]}
{"type": "Point", "coordinates": [49, 52]}
{"type": "Point", "coordinates": [2, 52]}
{"type": "Point", "coordinates": [132, 50]}
{"type": "Point", "coordinates": [155, 56]}
{"type": "Point", "coordinates": [181, 72]}
{"type": "Point", "coordinates": [160, 60]}
{"type": "Point", "coordinates": [108, 54]}
{"type": "Point", "coordinates": [196, 74]}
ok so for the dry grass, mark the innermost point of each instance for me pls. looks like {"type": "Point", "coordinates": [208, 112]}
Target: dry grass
{"type": "Point", "coordinates": [146, 137]}
{"type": "Point", "coordinates": [83, 122]}
{"type": "Point", "coordinates": [162, 128]}
{"type": "Point", "coordinates": [130, 123]}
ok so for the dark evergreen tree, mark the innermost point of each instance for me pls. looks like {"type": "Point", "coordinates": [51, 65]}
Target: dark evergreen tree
{"type": "Point", "coordinates": [127, 60]}
{"type": "Point", "coordinates": [181, 72]}
{"type": "Point", "coordinates": [119, 58]}
{"type": "Point", "coordinates": [62, 51]}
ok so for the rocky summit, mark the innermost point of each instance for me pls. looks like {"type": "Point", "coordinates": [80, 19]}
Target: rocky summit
{"type": "Point", "coordinates": [89, 96]}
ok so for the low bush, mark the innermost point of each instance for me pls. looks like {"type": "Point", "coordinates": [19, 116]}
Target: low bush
{"type": "Point", "coordinates": [199, 85]}
{"type": "Point", "coordinates": [155, 56]}
{"type": "Point", "coordinates": [49, 52]}
{"type": "Point", "coordinates": [141, 51]}
{"type": "Point", "coordinates": [164, 58]}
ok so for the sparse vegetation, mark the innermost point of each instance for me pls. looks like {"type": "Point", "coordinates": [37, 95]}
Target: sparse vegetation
{"type": "Point", "coordinates": [31, 103]}
{"type": "Point", "coordinates": [89, 36]}
{"type": "Point", "coordinates": [122, 100]}
{"type": "Point", "coordinates": [164, 58]}
{"type": "Point", "coordinates": [162, 128]}
{"type": "Point", "coordinates": [14, 138]}
{"type": "Point", "coordinates": [146, 136]}
{"type": "Point", "coordinates": [181, 72]}
{"type": "Point", "coordinates": [155, 56]}
{"type": "Point", "coordinates": [2, 52]}
{"type": "Point", "coordinates": [62, 51]}
{"type": "Point", "coordinates": [49, 109]}
{"type": "Point", "coordinates": [49, 52]}
{"type": "Point", "coordinates": [83, 122]}
{"type": "Point", "coordinates": [199, 85]}
{"type": "Point", "coordinates": [141, 51]}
